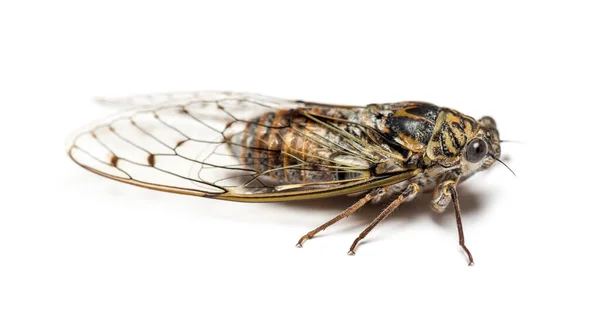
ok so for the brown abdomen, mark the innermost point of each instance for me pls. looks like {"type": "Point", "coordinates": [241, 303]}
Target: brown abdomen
{"type": "Point", "coordinates": [283, 143]}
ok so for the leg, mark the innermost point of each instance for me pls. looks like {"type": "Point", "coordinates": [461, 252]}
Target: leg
{"type": "Point", "coordinates": [410, 192]}
{"type": "Point", "coordinates": [461, 236]}
{"type": "Point", "coordinates": [341, 216]}
{"type": "Point", "coordinates": [442, 196]}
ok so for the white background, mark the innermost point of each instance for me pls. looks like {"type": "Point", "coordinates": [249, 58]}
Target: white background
{"type": "Point", "coordinates": [72, 241]}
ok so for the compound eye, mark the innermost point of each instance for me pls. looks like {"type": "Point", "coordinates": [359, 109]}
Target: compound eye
{"type": "Point", "coordinates": [476, 150]}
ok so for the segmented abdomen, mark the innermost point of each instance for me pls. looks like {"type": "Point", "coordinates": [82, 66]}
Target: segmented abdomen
{"type": "Point", "coordinates": [287, 145]}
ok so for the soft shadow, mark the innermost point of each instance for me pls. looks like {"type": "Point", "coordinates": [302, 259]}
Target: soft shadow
{"type": "Point", "coordinates": [471, 204]}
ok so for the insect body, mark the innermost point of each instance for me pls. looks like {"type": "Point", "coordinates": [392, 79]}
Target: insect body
{"type": "Point", "coordinates": [253, 148]}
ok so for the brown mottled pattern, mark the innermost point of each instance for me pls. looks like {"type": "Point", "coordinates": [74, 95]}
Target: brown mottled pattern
{"type": "Point", "coordinates": [288, 141]}
{"type": "Point", "coordinates": [452, 132]}
{"type": "Point", "coordinates": [261, 142]}
{"type": "Point", "coordinates": [285, 139]}
{"type": "Point", "coordinates": [306, 143]}
{"type": "Point", "coordinates": [275, 141]}
{"type": "Point", "coordinates": [242, 140]}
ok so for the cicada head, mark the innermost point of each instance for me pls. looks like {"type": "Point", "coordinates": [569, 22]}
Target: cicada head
{"type": "Point", "coordinates": [461, 141]}
{"type": "Point", "coordinates": [492, 138]}
{"type": "Point", "coordinates": [483, 149]}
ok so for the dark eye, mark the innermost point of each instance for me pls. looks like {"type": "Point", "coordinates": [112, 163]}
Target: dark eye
{"type": "Point", "coordinates": [476, 150]}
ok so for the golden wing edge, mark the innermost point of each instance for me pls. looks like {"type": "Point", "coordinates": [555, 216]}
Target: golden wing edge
{"type": "Point", "coordinates": [345, 189]}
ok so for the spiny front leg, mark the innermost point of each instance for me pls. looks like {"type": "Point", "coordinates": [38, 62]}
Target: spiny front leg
{"type": "Point", "coordinates": [407, 195]}
{"type": "Point", "coordinates": [342, 215]}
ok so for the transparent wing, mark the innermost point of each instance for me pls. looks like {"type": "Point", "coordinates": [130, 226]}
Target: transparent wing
{"type": "Point", "coordinates": [180, 98]}
{"type": "Point", "coordinates": [186, 143]}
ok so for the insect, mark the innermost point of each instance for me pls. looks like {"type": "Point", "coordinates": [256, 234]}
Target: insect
{"type": "Point", "coordinates": [254, 148]}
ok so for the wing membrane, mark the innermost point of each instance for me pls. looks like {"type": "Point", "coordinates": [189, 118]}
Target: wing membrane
{"type": "Point", "coordinates": [183, 143]}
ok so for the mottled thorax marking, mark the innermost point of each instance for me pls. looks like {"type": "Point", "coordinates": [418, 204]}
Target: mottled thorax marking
{"type": "Point", "coordinates": [412, 125]}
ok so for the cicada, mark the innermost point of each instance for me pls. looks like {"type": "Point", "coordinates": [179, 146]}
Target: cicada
{"type": "Point", "coordinates": [254, 148]}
